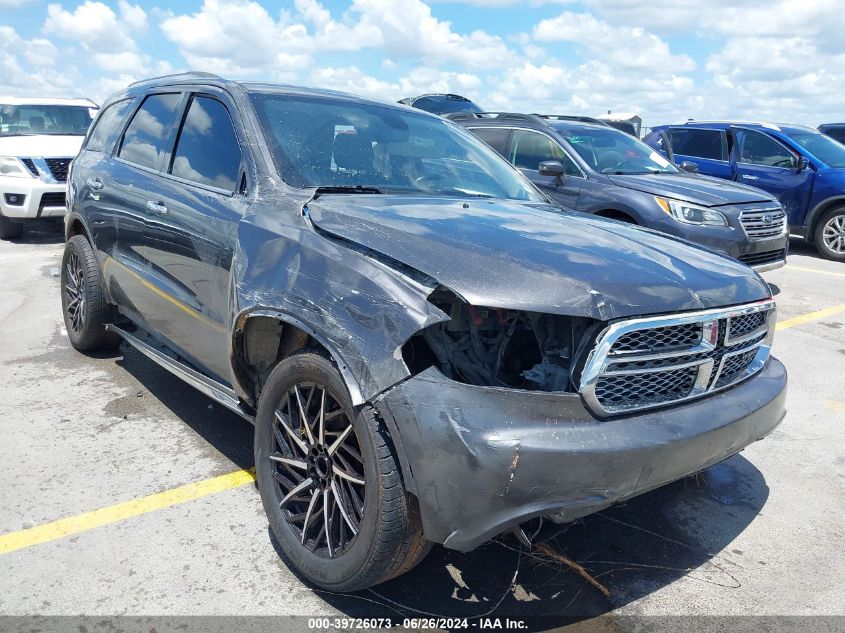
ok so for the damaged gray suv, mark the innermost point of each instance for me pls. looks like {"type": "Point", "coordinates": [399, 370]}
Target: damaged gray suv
{"type": "Point", "coordinates": [430, 350]}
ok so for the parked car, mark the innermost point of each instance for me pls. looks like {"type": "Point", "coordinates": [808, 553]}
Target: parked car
{"type": "Point", "coordinates": [836, 131]}
{"type": "Point", "coordinates": [441, 103]}
{"type": "Point", "coordinates": [803, 168]}
{"type": "Point", "coordinates": [38, 139]}
{"type": "Point", "coordinates": [592, 167]}
{"type": "Point", "coordinates": [430, 351]}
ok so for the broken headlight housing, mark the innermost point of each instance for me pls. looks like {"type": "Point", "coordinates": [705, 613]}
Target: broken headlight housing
{"type": "Point", "coordinates": [499, 347]}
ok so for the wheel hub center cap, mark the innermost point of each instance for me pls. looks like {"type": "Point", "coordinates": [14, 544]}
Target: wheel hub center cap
{"type": "Point", "coordinates": [323, 466]}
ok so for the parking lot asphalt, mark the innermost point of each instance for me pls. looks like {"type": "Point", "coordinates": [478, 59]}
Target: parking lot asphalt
{"type": "Point", "coordinates": [117, 494]}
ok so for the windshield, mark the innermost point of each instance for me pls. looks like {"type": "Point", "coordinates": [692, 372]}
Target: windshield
{"type": "Point", "coordinates": [29, 120]}
{"type": "Point", "coordinates": [333, 143]}
{"type": "Point", "coordinates": [610, 151]}
{"type": "Point", "coordinates": [830, 152]}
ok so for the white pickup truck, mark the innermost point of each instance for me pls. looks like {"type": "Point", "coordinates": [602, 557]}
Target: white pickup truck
{"type": "Point", "coordinates": [38, 139]}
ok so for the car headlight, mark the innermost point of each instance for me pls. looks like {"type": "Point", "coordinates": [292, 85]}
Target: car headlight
{"type": "Point", "coordinates": [11, 166]}
{"type": "Point", "coordinates": [691, 213]}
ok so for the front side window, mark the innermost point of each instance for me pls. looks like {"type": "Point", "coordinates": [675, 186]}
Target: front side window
{"type": "Point", "coordinates": [146, 139]}
{"type": "Point", "coordinates": [610, 151]}
{"type": "Point", "coordinates": [708, 144]}
{"type": "Point", "coordinates": [207, 151]}
{"type": "Point", "coordinates": [329, 142]}
{"type": "Point", "coordinates": [106, 125]}
{"type": "Point", "coordinates": [760, 149]}
{"type": "Point", "coordinates": [529, 149]}
{"type": "Point", "coordinates": [50, 120]}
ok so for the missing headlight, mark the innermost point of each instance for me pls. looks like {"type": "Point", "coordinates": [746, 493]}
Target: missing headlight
{"type": "Point", "coordinates": [499, 347]}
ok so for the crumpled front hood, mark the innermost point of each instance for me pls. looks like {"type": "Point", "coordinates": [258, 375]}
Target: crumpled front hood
{"type": "Point", "coordinates": [703, 190]}
{"type": "Point", "coordinates": [41, 146]}
{"type": "Point", "coordinates": [503, 253]}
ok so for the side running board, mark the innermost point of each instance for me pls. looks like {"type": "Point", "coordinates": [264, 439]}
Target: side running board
{"type": "Point", "coordinates": [219, 393]}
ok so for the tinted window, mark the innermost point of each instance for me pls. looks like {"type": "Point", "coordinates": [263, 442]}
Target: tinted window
{"type": "Point", "coordinates": [759, 149]}
{"type": "Point", "coordinates": [699, 143]}
{"type": "Point", "coordinates": [837, 135]}
{"type": "Point", "coordinates": [529, 149]}
{"type": "Point", "coordinates": [106, 125]}
{"type": "Point", "coordinates": [207, 151]}
{"type": "Point", "coordinates": [495, 137]}
{"type": "Point", "coordinates": [145, 141]}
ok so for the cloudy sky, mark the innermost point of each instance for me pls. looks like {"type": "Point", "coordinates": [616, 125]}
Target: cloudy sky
{"type": "Point", "coordinates": [668, 60]}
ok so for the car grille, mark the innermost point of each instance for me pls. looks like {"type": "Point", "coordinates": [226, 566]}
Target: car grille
{"type": "Point", "coordinates": [30, 166]}
{"type": "Point", "coordinates": [761, 259]}
{"type": "Point", "coordinates": [53, 199]}
{"type": "Point", "coordinates": [644, 363]}
{"type": "Point", "coordinates": [58, 167]}
{"type": "Point", "coordinates": [763, 224]}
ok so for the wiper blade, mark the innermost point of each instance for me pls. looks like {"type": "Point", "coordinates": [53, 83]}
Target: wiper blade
{"type": "Point", "coordinates": [345, 189]}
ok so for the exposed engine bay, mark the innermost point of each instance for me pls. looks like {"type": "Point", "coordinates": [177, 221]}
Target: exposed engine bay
{"type": "Point", "coordinates": [499, 347]}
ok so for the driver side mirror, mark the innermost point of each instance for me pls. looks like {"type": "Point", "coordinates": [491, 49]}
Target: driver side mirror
{"type": "Point", "coordinates": [802, 163]}
{"type": "Point", "coordinates": [552, 168]}
{"type": "Point", "coordinates": [689, 166]}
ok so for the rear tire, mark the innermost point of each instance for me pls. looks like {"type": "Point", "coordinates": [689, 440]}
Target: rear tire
{"type": "Point", "coordinates": [10, 230]}
{"type": "Point", "coordinates": [829, 235]}
{"type": "Point", "coordinates": [83, 305]}
{"type": "Point", "coordinates": [335, 500]}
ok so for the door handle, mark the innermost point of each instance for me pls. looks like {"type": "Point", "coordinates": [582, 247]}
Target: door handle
{"type": "Point", "coordinates": [747, 177]}
{"type": "Point", "coordinates": [157, 207]}
{"type": "Point", "coordinates": [95, 183]}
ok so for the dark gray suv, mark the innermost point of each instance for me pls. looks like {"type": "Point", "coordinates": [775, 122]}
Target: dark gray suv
{"type": "Point", "coordinates": [592, 167]}
{"type": "Point", "coordinates": [429, 350]}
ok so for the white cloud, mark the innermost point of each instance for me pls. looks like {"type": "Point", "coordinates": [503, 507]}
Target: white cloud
{"type": "Point", "coordinates": [625, 47]}
{"type": "Point", "coordinates": [95, 26]}
{"type": "Point", "coordinates": [12, 4]}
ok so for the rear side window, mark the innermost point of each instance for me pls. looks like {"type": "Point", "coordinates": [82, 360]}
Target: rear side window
{"type": "Point", "coordinates": [495, 137]}
{"type": "Point", "coordinates": [146, 139]}
{"type": "Point", "coordinates": [207, 151]}
{"type": "Point", "coordinates": [106, 125]}
{"type": "Point", "coordinates": [709, 144]}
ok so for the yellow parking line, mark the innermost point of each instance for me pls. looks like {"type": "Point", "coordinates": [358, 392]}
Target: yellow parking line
{"type": "Point", "coordinates": [810, 316]}
{"type": "Point", "coordinates": [111, 514]}
{"type": "Point", "coordinates": [814, 270]}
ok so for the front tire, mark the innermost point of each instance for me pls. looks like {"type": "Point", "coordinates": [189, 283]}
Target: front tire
{"type": "Point", "coordinates": [83, 305]}
{"type": "Point", "coordinates": [830, 235]}
{"type": "Point", "coordinates": [329, 479]}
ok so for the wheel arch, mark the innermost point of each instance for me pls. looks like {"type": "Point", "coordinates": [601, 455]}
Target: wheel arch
{"type": "Point", "coordinates": [818, 211]}
{"type": "Point", "coordinates": [74, 225]}
{"type": "Point", "coordinates": [262, 337]}
{"type": "Point", "coordinates": [617, 214]}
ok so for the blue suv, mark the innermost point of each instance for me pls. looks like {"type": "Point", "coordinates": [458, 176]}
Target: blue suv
{"type": "Point", "coordinates": [803, 168]}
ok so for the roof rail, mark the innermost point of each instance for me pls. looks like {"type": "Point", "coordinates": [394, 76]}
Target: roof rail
{"type": "Point", "coordinates": [580, 118]}
{"type": "Point", "coordinates": [188, 75]}
{"type": "Point", "coordinates": [494, 116]}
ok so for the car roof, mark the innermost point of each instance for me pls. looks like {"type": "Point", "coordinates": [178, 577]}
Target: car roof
{"type": "Point", "coordinates": [787, 128]}
{"type": "Point", "coordinates": [17, 101]}
{"type": "Point", "coordinates": [557, 122]}
{"type": "Point", "coordinates": [209, 79]}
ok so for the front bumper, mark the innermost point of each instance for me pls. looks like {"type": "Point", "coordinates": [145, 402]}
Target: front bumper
{"type": "Point", "coordinates": [761, 255]}
{"type": "Point", "coordinates": [484, 459]}
{"type": "Point", "coordinates": [40, 199]}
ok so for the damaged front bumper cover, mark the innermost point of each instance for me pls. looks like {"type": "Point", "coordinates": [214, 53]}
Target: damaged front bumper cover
{"type": "Point", "coordinates": [483, 460]}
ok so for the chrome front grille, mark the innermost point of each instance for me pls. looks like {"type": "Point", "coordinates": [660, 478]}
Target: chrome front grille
{"type": "Point", "coordinates": [655, 361]}
{"type": "Point", "coordinates": [763, 224]}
